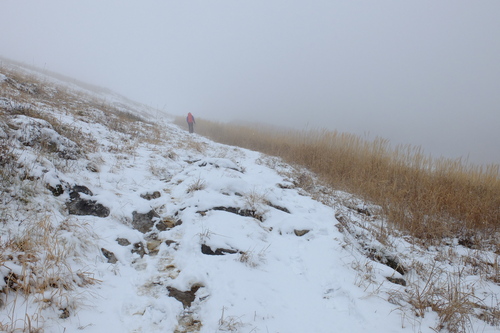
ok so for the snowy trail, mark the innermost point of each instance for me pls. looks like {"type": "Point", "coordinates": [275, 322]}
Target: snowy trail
{"type": "Point", "coordinates": [275, 281]}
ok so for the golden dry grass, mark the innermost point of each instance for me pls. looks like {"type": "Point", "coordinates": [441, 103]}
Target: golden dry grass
{"type": "Point", "coordinates": [428, 198]}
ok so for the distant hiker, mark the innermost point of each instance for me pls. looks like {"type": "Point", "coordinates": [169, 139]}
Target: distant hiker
{"type": "Point", "coordinates": [191, 122]}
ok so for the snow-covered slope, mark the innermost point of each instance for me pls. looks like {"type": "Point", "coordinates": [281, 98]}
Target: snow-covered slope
{"type": "Point", "coordinates": [192, 236]}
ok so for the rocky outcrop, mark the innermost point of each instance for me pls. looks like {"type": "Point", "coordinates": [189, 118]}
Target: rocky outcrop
{"type": "Point", "coordinates": [82, 206]}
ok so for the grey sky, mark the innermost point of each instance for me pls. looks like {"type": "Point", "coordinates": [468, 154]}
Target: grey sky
{"type": "Point", "coordinates": [416, 72]}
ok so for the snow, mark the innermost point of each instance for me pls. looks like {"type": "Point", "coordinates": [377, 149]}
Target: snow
{"type": "Point", "coordinates": [276, 281]}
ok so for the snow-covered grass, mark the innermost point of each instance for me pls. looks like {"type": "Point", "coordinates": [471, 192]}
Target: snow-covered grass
{"type": "Point", "coordinates": [237, 242]}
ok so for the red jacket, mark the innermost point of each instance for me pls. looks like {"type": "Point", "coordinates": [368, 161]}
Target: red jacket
{"type": "Point", "coordinates": [190, 118]}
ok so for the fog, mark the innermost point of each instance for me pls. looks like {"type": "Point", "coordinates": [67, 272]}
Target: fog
{"type": "Point", "coordinates": [425, 73]}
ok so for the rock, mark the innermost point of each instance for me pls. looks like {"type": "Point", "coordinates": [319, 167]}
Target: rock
{"type": "Point", "coordinates": [87, 207]}
{"type": "Point", "coordinates": [153, 245]}
{"type": "Point", "coordinates": [144, 222]}
{"type": "Point", "coordinates": [80, 206]}
{"type": "Point", "coordinates": [75, 190]}
{"type": "Point", "coordinates": [170, 242]}
{"type": "Point", "coordinates": [123, 241]}
{"type": "Point", "coordinates": [205, 249]}
{"type": "Point", "coordinates": [236, 210]}
{"type": "Point", "coordinates": [301, 233]}
{"type": "Point", "coordinates": [185, 297]}
{"type": "Point", "coordinates": [283, 209]}
{"type": "Point", "coordinates": [167, 223]}
{"type": "Point", "coordinates": [109, 255]}
{"type": "Point", "coordinates": [57, 190]}
{"type": "Point", "coordinates": [387, 260]}
{"type": "Point", "coordinates": [396, 281]}
{"type": "Point", "coordinates": [139, 249]}
{"type": "Point", "coordinates": [151, 196]}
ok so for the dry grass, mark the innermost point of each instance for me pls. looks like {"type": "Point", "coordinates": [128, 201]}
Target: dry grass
{"type": "Point", "coordinates": [197, 185]}
{"type": "Point", "coordinates": [428, 198]}
{"type": "Point", "coordinates": [37, 262]}
{"type": "Point", "coordinates": [28, 95]}
{"type": "Point", "coordinates": [450, 296]}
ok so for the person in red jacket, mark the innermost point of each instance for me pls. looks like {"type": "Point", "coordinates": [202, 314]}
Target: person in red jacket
{"type": "Point", "coordinates": [191, 122]}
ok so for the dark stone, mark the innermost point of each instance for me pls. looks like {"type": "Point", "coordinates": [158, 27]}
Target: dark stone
{"type": "Point", "coordinates": [151, 196]}
{"type": "Point", "coordinates": [123, 241]}
{"type": "Point", "coordinates": [283, 209]}
{"type": "Point", "coordinates": [238, 211]}
{"type": "Point", "coordinates": [139, 249]}
{"type": "Point", "coordinates": [79, 206]}
{"type": "Point", "coordinates": [75, 190]}
{"type": "Point", "coordinates": [109, 255]}
{"type": "Point", "coordinates": [399, 281]}
{"type": "Point", "coordinates": [144, 222]}
{"type": "Point", "coordinates": [394, 264]}
{"type": "Point", "coordinates": [56, 191]}
{"type": "Point", "coordinates": [185, 297]}
{"type": "Point", "coordinates": [389, 261]}
{"type": "Point", "coordinates": [205, 249]}
{"type": "Point", "coordinates": [170, 242]}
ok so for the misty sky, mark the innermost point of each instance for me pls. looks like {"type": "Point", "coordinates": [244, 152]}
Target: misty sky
{"type": "Point", "coordinates": [415, 72]}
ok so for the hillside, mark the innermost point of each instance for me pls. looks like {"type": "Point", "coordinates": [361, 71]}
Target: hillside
{"type": "Point", "coordinates": [116, 220]}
